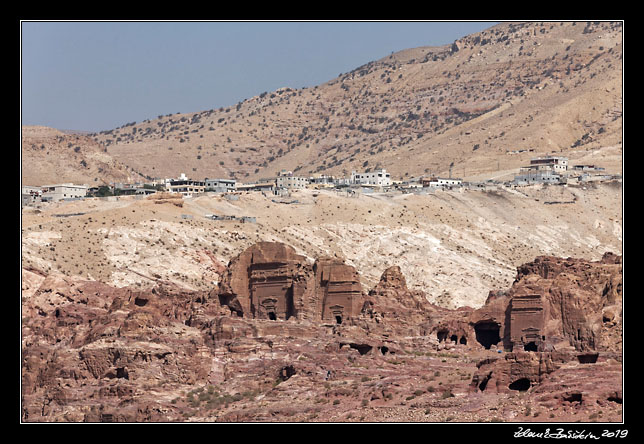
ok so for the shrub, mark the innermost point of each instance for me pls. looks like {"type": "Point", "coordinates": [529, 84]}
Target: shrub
{"type": "Point", "coordinates": [447, 394]}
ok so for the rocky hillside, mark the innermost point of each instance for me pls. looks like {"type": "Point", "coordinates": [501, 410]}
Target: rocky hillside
{"type": "Point", "coordinates": [51, 156]}
{"type": "Point", "coordinates": [454, 246]}
{"type": "Point", "coordinates": [549, 87]}
{"type": "Point", "coordinates": [95, 353]}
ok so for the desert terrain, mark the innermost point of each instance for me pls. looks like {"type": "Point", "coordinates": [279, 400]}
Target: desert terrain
{"type": "Point", "coordinates": [499, 304]}
{"type": "Point", "coordinates": [454, 245]}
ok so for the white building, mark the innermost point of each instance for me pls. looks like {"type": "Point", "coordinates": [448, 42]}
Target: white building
{"type": "Point", "coordinates": [440, 182]}
{"type": "Point", "coordinates": [548, 163]}
{"type": "Point", "coordinates": [378, 177]}
{"type": "Point", "coordinates": [54, 193]}
{"type": "Point", "coordinates": [221, 185]}
{"type": "Point", "coordinates": [285, 179]}
{"type": "Point", "coordinates": [185, 186]}
{"type": "Point", "coordinates": [31, 195]}
{"type": "Point", "coordinates": [539, 176]}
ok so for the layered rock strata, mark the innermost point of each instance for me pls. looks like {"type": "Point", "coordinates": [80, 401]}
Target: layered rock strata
{"type": "Point", "coordinates": [92, 352]}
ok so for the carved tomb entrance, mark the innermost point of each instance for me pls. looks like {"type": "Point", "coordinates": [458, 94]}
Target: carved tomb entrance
{"type": "Point", "coordinates": [271, 291]}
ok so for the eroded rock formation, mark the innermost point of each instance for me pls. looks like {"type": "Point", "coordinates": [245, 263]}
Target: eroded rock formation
{"type": "Point", "coordinates": [268, 280]}
{"type": "Point", "coordinates": [558, 303]}
{"type": "Point", "coordinates": [92, 352]}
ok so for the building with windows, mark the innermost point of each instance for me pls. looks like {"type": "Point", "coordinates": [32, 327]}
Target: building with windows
{"type": "Point", "coordinates": [286, 179]}
{"type": "Point", "coordinates": [547, 163]}
{"type": "Point", "coordinates": [31, 195]}
{"type": "Point", "coordinates": [547, 169]}
{"type": "Point", "coordinates": [187, 187]}
{"type": "Point", "coordinates": [534, 177]}
{"type": "Point", "coordinates": [54, 193]}
{"type": "Point", "coordinates": [378, 177]}
{"type": "Point", "coordinates": [322, 180]}
{"type": "Point", "coordinates": [221, 185]}
{"type": "Point", "coordinates": [440, 182]}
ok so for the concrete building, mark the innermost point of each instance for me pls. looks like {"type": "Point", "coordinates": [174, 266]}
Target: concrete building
{"type": "Point", "coordinates": [378, 177]}
{"type": "Point", "coordinates": [54, 193]}
{"type": "Point", "coordinates": [587, 168]}
{"type": "Point", "coordinates": [260, 186]}
{"type": "Point", "coordinates": [286, 179]}
{"type": "Point", "coordinates": [142, 191]}
{"type": "Point", "coordinates": [31, 195]}
{"type": "Point", "coordinates": [547, 169]}
{"type": "Point", "coordinates": [322, 181]}
{"type": "Point", "coordinates": [185, 186]}
{"type": "Point", "coordinates": [552, 163]}
{"type": "Point", "coordinates": [221, 185]}
{"type": "Point", "coordinates": [440, 182]}
{"type": "Point", "coordinates": [534, 177]}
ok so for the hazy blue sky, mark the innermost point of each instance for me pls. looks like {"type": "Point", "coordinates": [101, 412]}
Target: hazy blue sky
{"type": "Point", "coordinates": [96, 76]}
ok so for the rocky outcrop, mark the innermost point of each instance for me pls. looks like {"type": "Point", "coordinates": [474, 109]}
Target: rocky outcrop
{"type": "Point", "coordinates": [337, 290]}
{"type": "Point", "coordinates": [556, 303]}
{"type": "Point", "coordinates": [393, 308]}
{"type": "Point", "coordinates": [266, 281]}
{"type": "Point", "coordinates": [269, 280]}
{"type": "Point", "coordinates": [283, 326]}
{"type": "Point", "coordinates": [518, 371]}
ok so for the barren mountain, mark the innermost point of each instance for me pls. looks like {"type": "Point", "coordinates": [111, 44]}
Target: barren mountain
{"type": "Point", "coordinates": [51, 156]}
{"type": "Point", "coordinates": [542, 87]}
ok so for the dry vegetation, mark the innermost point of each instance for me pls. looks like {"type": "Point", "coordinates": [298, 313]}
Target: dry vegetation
{"type": "Point", "coordinates": [550, 87]}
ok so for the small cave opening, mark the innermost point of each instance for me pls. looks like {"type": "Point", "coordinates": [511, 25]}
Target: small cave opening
{"type": "Point", "coordinates": [442, 335]}
{"type": "Point", "coordinates": [140, 302]}
{"type": "Point", "coordinates": [338, 319]}
{"type": "Point", "coordinates": [463, 340]}
{"type": "Point", "coordinates": [286, 372]}
{"type": "Point", "coordinates": [574, 397]}
{"type": "Point", "coordinates": [272, 316]}
{"type": "Point", "coordinates": [454, 339]}
{"type": "Point", "coordinates": [587, 358]}
{"type": "Point", "coordinates": [363, 349]}
{"type": "Point", "coordinates": [530, 347]}
{"type": "Point", "coordinates": [384, 349]}
{"type": "Point", "coordinates": [121, 372]}
{"type": "Point", "coordinates": [487, 334]}
{"type": "Point", "coordinates": [483, 383]}
{"type": "Point", "coordinates": [615, 398]}
{"type": "Point", "coordinates": [521, 385]}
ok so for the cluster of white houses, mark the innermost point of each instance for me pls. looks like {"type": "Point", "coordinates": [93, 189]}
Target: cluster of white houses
{"type": "Point", "coordinates": [549, 169]}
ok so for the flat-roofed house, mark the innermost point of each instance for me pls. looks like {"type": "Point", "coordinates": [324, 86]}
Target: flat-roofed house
{"type": "Point", "coordinates": [378, 177]}
{"type": "Point", "coordinates": [552, 163]}
{"type": "Point", "coordinates": [221, 185]}
{"type": "Point", "coordinates": [440, 182]}
{"type": "Point", "coordinates": [187, 187]}
{"type": "Point", "coordinates": [286, 179]}
{"type": "Point", "coordinates": [54, 193]}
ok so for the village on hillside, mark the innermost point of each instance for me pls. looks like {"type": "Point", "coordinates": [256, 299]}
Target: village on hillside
{"type": "Point", "coordinates": [553, 170]}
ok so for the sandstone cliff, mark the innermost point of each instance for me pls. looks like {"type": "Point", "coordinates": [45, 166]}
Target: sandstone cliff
{"type": "Point", "coordinates": [92, 352]}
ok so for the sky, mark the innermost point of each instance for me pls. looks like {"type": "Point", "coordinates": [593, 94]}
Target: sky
{"type": "Point", "coordinates": [95, 76]}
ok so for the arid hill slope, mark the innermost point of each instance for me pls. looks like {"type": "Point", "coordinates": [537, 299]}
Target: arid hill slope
{"type": "Point", "coordinates": [454, 246]}
{"type": "Point", "coordinates": [50, 156]}
{"type": "Point", "coordinates": [551, 87]}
